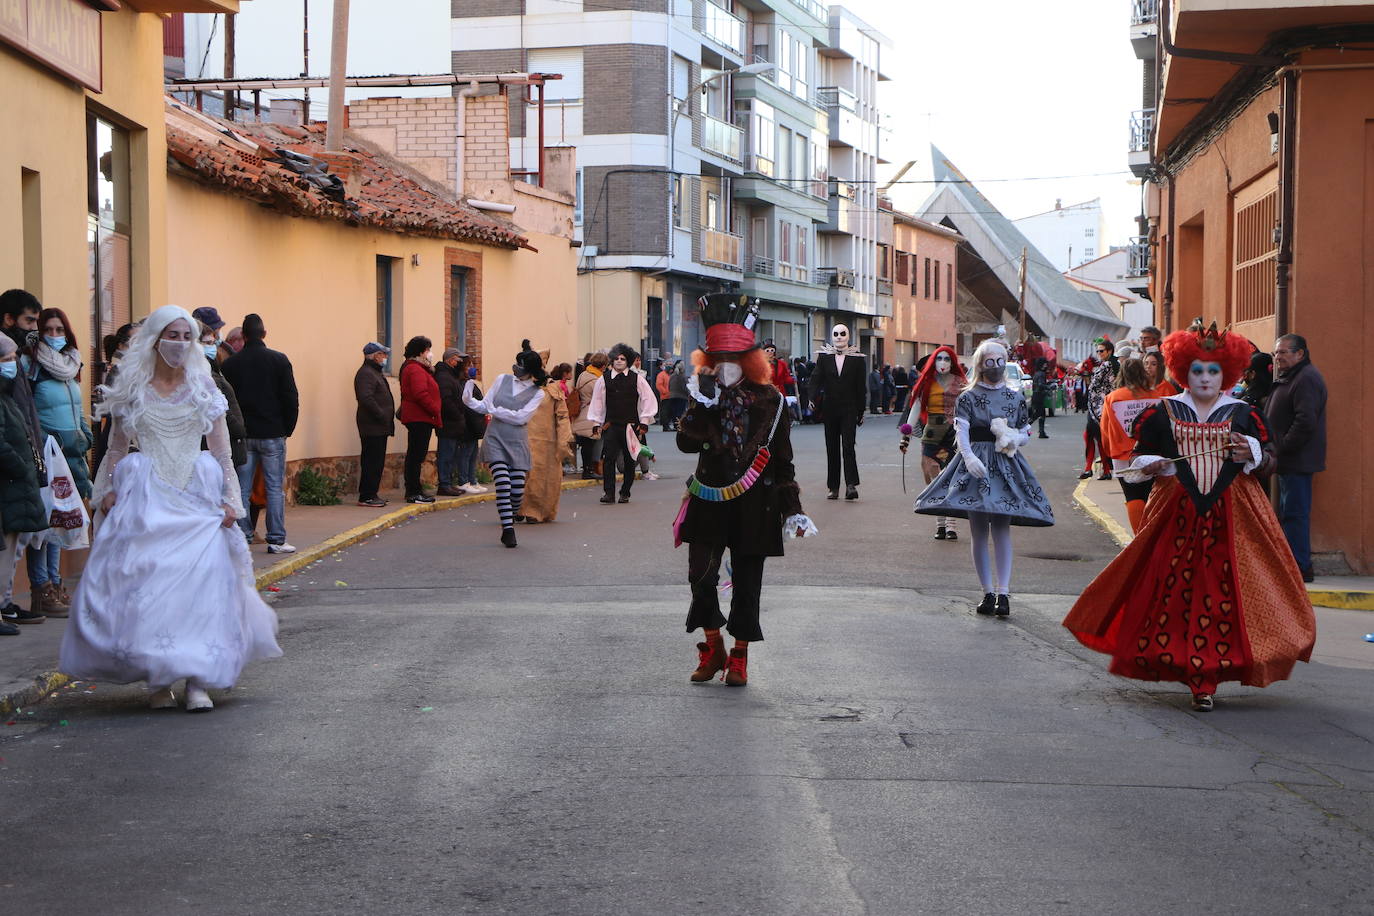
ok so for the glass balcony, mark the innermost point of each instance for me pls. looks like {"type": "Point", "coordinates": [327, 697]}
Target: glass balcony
{"type": "Point", "coordinates": [1139, 263]}
{"type": "Point", "coordinates": [1144, 12]}
{"type": "Point", "coordinates": [1142, 125]}
{"type": "Point", "coordinates": [723, 27]}
{"type": "Point", "coordinates": [721, 249]}
{"type": "Point", "coordinates": [814, 8]}
{"type": "Point", "coordinates": [721, 138]}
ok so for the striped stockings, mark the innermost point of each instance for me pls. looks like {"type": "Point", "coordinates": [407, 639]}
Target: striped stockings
{"type": "Point", "coordinates": [510, 491]}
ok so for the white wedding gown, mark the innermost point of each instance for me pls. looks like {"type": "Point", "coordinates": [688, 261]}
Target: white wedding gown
{"type": "Point", "coordinates": [168, 591]}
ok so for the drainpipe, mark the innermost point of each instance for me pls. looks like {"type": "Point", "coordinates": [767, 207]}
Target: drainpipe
{"type": "Point", "coordinates": [1167, 256]}
{"type": "Point", "coordinates": [460, 139]}
{"type": "Point", "coordinates": [1288, 142]}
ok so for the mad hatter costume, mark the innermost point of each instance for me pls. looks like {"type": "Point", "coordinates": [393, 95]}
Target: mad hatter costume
{"type": "Point", "coordinates": [1208, 591]}
{"type": "Point", "coordinates": [743, 495]}
{"type": "Point", "coordinates": [989, 482]}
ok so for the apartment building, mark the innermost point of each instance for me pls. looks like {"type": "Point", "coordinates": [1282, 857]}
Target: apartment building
{"type": "Point", "coordinates": [1255, 137]}
{"type": "Point", "coordinates": [708, 160]}
{"type": "Point", "coordinates": [1069, 235]}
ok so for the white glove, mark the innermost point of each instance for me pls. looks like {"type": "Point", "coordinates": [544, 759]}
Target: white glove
{"type": "Point", "coordinates": [975, 466]}
{"type": "Point", "coordinates": [799, 526]}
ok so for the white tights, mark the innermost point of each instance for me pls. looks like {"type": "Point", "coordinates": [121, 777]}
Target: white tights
{"type": "Point", "coordinates": [979, 525]}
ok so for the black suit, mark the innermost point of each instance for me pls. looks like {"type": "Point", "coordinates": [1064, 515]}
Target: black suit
{"type": "Point", "coordinates": [840, 395]}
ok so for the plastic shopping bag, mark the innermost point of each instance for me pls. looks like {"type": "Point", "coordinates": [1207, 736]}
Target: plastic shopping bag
{"type": "Point", "coordinates": [68, 523]}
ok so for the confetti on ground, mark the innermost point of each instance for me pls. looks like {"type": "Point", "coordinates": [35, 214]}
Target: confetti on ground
{"type": "Point", "coordinates": [426, 709]}
{"type": "Point", "coordinates": [62, 722]}
{"type": "Point", "coordinates": [341, 583]}
{"type": "Point", "coordinates": [273, 588]}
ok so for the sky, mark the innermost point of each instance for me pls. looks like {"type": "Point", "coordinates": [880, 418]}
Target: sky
{"type": "Point", "coordinates": [1008, 89]}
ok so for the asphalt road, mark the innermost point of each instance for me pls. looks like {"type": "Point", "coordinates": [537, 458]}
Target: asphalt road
{"type": "Point", "coordinates": [460, 728]}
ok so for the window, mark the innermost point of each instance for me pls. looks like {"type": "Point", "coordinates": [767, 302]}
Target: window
{"type": "Point", "coordinates": [567, 61]}
{"type": "Point", "coordinates": [1088, 233]}
{"type": "Point", "coordinates": [902, 275]}
{"type": "Point", "coordinates": [927, 293]}
{"type": "Point", "coordinates": [793, 65]}
{"type": "Point", "coordinates": [763, 138]}
{"type": "Point", "coordinates": [800, 171]}
{"type": "Point", "coordinates": [577, 206]}
{"type": "Point", "coordinates": [681, 216]}
{"type": "Point", "coordinates": [458, 307]}
{"type": "Point", "coordinates": [108, 227]}
{"type": "Point", "coordinates": [713, 213]}
{"type": "Point", "coordinates": [884, 262]}
{"type": "Point", "coordinates": [949, 282]}
{"type": "Point", "coordinates": [820, 165]}
{"type": "Point", "coordinates": [937, 281]}
{"type": "Point", "coordinates": [803, 265]}
{"type": "Point", "coordinates": [384, 299]}
{"type": "Point", "coordinates": [785, 160]}
{"type": "Point", "coordinates": [1088, 253]}
{"type": "Point", "coordinates": [1255, 257]}
{"type": "Point", "coordinates": [785, 269]}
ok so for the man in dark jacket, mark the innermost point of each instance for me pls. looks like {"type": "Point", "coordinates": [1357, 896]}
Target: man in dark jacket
{"type": "Point", "coordinates": [454, 414]}
{"type": "Point", "coordinates": [266, 389]}
{"type": "Point", "coordinates": [1297, 419]}
{"type": "Point", "coordinates": [376, 421]}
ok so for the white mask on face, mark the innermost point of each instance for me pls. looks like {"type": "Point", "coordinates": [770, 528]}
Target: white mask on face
{"type": "Point", "coordinates": [174, 352]}
{"type": "Point", "coordinates": [943, 364]}
{"type": "Point", "coordinates": [729, 373]}
{"type": "Point", "coordinates": [839, 336]}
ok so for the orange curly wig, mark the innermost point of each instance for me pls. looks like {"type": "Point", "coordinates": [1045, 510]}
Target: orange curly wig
{"type": "Point", "coordinates": [1230, 351]}
{"type": "Point", "coordinates": [754, 364]}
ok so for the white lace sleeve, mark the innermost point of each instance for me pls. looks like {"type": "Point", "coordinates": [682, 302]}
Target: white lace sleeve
{"type": "Point", "coordinates": [218, 440]}
{"type": "Point", "coordinates": [116, 450]}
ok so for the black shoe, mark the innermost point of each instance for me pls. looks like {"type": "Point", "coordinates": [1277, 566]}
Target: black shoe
{"type": "Point", "coordinates": [588, 475]}
{"type": "Point", "coordinates": [1307, 575]}
{"type": "Point", "coordinates": [624, 497]}
{"type": "Point", "coordinates": [8, 629]}
{"type": "Point", "coordinates": [951, 534]}
{"type": "Point", "coordinates": [1085, 475]}
{"type": "Point", "coordinates": [1003, 606]}
{"type": "Point", "coordinates": [1106, 476]}
{"type": "Point", "coordinates": [851, 492]}
{"type": "Point", "coordinates": [422, 498]}
{"type": "Point", "coordinates": [13, 613]}
{"type": "Point", "coordinates": [519, 518]}
{"type": "Point", "coordinates": [988, 605]}
{"type": "Point", "coordinates": [940, 533]}
{"type": "Point", "coordinates": [508, 537]}
{"type": "Point", "coordinates": [373, 503]}
{"type": "Point", "coordinates": [1202, 702]}
{"type": "Point", "coordinates": [1044, 435]}
{"type": "Point", "coordinates": [834, 494]}
{"type": "Point", "coordinates": [608, 499]}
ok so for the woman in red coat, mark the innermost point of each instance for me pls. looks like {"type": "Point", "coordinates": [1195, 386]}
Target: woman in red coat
{"type": "Point", "coordinates": [420, 411]}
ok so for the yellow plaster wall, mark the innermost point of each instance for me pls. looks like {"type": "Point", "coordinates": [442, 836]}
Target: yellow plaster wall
{"type": "Point", "coordinates": [611, 303]}
{"type": "Point", "coordinates": [529, 295]}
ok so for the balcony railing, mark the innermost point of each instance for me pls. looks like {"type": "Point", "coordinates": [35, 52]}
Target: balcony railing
{"type": "Point", "coordinates": [813, 7]}
{"type": "Point", "coordinates": [753, 162]}
{"type": "Point", "coordinates": [721, 138]}
{"type": "Point", "coordinates": [723, 27]}
{"type": "Point", "coordinates": [764, 266]}
{"type": "Point", "coordinates": [1144, 12]}
{"type": "Point", "coordinates": [832, 96]}
{"type": "Point", "coordinates": [1138, 264]}
{"type": "Point", "coordinates": [884, 287]}
{"type": "Point", "coordinates": [842, 277]}
{"type": "Point", "coordinates": [721, 249]}
{"type": "Point", "coordinates": [1142, 126]}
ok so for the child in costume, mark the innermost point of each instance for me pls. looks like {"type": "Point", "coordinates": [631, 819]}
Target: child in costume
{"type": "Point", "coordinates": [1208, 591]}
{"type": "Point", "coordinates": [932, 407]}
{"type": "Point", "coordinates": [743, 495]}
{"type": "Point", "coordinates": [989, 481]}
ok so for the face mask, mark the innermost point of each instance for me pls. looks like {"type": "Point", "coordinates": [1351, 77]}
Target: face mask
{"type": "Point", "coordinates": [210, 350]}
{"type": "Point", "coordinates": [729, 374]}
{"type": "Point", "coordinates": [174, 352]}
{"type": "Point", "coordinates": [993, 368]}
{"type": "Point", "coordinates": [472, 372]}
{"type": "Point", "coordinates": [57, 343]}
{"type": "Point", "coordinates": [9, 369]}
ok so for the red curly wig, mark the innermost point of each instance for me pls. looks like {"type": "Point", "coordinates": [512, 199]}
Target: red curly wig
{"type": "Point", "coordinates": [754, 364]}
{"type": "Point", "coordinates": [1230, 351]}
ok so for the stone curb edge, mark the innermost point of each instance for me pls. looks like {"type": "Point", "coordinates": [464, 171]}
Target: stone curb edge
{"type": "Point", "coordinates": [1344, 599]}
{"type": "Point", "coordinates": [49, 681]}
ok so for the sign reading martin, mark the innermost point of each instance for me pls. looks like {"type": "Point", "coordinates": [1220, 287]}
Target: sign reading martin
{"type": "Point", "coordinates": [63, 34]}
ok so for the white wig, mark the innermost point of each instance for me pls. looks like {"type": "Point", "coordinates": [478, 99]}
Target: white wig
{"type": "Point", "coordinates": [983, 350]}
{"type": "Point", "coordinates": [124, 397]}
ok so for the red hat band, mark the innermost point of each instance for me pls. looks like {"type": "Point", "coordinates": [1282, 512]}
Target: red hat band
{"type": "Point", "coordinates": [729, 338]}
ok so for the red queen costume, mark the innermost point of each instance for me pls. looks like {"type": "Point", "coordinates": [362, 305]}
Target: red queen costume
{"type": "Point", "coordinates": [1208, 590]}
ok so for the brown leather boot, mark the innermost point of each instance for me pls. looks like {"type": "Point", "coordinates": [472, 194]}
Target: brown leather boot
{"type": "Point", "coordinates": [49, 600]}
{"type": "Point", "coordinates": [712, 658]}
{"type": "Point", "coordinates": [736, 672]}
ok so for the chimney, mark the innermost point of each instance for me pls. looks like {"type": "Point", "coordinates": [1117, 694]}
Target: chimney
{"type": "Point", "coordinates": [348, 166]}
{"type": "Point", "coordinates": [1058, 203]}
{"type": "Point", "coordinates": [287, 111]}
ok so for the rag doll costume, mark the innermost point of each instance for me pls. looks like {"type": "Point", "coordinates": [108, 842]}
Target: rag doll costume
{"type": "Point", "coordinates": [838, 390]}
{"type": "Point", "coordinates": [989, 481]}
{"type": "Point", "coordinates": [932, 408]}
{"type": "Point", "coordinates": [1208, 590]}
{"type": "Point", "coordinates": [743, 495]}
{"type": "Point", "coordinates": [168, 590]}
{"type": "Point", "coordinates": [510, 402]}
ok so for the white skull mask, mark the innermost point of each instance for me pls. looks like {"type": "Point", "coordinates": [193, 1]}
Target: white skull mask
{"type": "Point", "coordinates": [943, 364]}
{"type": "Point", "coordinates": [839, 337]}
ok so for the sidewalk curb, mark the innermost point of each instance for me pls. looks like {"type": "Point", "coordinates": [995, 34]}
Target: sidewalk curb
{"type": "Point", "coordinates": [49, 681]}
{"type": "Point", "coordinates": [1344, 599]}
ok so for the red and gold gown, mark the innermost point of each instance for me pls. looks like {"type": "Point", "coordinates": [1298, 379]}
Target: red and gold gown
{"type": "Point", "coordinates": [1208, 590]}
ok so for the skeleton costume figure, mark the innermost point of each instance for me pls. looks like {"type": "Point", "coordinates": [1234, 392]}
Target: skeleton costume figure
{"type": "Point", "coordinates": [743, 495]}
{"type": "Point", "coordinates": [1208, 590]}
{"type": "Point", "coordinates": [168, 590]}
{"type": "Point", "coordinates": [989, 481]}
{"type": "Point", "coordinates": [839, 392]}
{"type": "Point", "coordinates": [931, 409]}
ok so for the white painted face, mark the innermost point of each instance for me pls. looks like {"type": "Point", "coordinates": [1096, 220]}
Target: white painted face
{"type": "Point", "coordinates": [729, 373]}
{"type": "Point", "coordinates": [994, 365]}
{"type": "Point", "coordinates": [1204, 380]}
{"type": "Point", "coordinates": [839, 336]}
{"type": "Point", "coordinates": [620, 364]}
{"type": "Point", "coordinates": [943, 364]}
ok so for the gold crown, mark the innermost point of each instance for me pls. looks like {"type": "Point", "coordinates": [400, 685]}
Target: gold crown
{"type": "Point", "coordinates": [1210, 338]}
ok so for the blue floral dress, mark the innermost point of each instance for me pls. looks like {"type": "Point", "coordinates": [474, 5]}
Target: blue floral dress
{"type": "Point", "coordinates": [1010, 488]}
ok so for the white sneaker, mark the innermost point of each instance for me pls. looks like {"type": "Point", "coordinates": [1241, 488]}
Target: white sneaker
{"type": "Point", "coordinates": [280, 548]}
{"type": "Point", "coordinates": [163, 699]}
{"type": "Point", "coordinates": [197, 700]}
{"type": "Point", "coordinates": [650, 475]}
{"type": "Point", "coordinates": [469, 488]}
{"type": "Point", "coordinates": [478, 488]}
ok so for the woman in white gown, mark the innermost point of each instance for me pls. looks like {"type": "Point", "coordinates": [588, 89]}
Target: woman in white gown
{"type": "Point", "coordinates": [168, 591]}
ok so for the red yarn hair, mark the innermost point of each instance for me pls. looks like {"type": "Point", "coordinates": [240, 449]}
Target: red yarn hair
{"type": "Point", "coordinates": [921, 387]}
{"type": "Point", "coordinates": [754, 364]}
{"type": "Point", "coordinates": [1230, 351]}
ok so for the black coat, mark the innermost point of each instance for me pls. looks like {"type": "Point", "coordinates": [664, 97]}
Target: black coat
{"type": "Point", "coordinates": [838, 395]}
{"type": "Point", "coordinates": [266, 389]}
{"type": "Point", "coordinates": [451, 407]}
{"type": "Point", "coordinates": [1297, 418]}
{"type": "Point", "coordinates": [376, 404]}
{"type": "Point", "coordinates": [21, 506]}
{"type": "Point", "coordinates": [751, 523]}
{"type": "Point", "coordinates": [233, 418]}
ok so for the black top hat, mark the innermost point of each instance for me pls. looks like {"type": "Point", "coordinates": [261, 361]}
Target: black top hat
{"type": "Point", "coordinates": [729, 319]}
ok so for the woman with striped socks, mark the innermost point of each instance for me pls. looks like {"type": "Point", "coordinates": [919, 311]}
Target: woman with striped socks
{"type": "Point", "coordinates": [510, 402]}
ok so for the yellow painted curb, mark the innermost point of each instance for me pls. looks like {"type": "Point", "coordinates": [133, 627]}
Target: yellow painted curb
{"type": "Point", "coordinates": [43, 685]}
{"type": "Point", "coordinates": [1100, 515]}
{"type": "Point", "coordinates": [278, 571]}
{"type": "Point", "coordinates": [1339, 598]}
